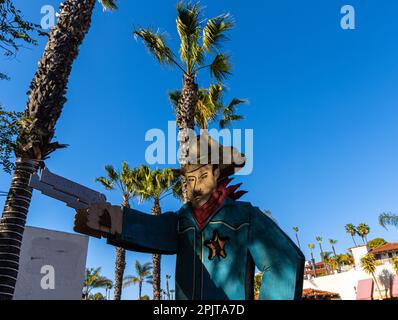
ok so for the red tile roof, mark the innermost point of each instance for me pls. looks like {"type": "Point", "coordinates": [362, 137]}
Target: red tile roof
{"type": "Point", "coordinates": [311, 293]}
{"type": "Point", "coordinates": [386, 247]}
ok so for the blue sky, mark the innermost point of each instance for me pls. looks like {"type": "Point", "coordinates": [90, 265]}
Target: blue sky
{"type": "Point", "coordinates": [323, 107]}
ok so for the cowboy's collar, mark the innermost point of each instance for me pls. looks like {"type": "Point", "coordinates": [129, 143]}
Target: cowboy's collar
{"type": "Point", "coordinates": [185, 212]}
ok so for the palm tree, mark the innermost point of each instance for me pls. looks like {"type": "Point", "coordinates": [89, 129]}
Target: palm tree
{"type": "Point", "coordinates": [368, 264]}
{"type": "Point", "coordinates": [125, 183]}
{"type": "Point", "coordinates": [311, 246]}
{"type": "Point", "coordinates": [156, 185]}
{"type": "Point", "coordinates": [210, 106]}
{"type": "Point", "coordinates": [296, 230]}
{"type": "Point", "coordinates": [333, 242]}
{"type": "Point", "coordinates": [35, 140]}
{"type": "Point", "coordinates": [143, 275]}
{"type": "Point", "coordinates": [352, 231]}
{"type": "Point", "coordinates": [198, 39]}
{"type": "Point", "coordinates": [363, 231]}
{"type": "Point", "coordinates": [172, 294]}
{"type": "Point", "coordinates": [167, 286]}
{"type": "Point", "coordinates": [388, 219]}
{"type": "Point", "coordinates": [330, 262]}
{"type": "Point", "coordinates": [345, 259]}
{"type": "Point", "coordinates": [108, 289]}
{"type": "Point", "coordinates": [319, 240]}
{"type": "Point", "coordinates": [96, 296]}
{"type": "Point", "coordinates": [257, 284]}
{"type": "Point", "coordinates": [93, 280]}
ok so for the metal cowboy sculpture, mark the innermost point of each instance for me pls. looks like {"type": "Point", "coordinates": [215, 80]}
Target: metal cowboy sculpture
{"type": "Point", "coordinates": [218, 240]}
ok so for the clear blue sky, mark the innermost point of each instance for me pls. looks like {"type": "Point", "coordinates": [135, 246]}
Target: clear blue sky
{"type": "Point", "coordinates": [323, 106]}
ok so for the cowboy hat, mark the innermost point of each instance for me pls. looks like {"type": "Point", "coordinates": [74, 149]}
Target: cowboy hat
{"type": "Point", "coordinates": [205, 150]}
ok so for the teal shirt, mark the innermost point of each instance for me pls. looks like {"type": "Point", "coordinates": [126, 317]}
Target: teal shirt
{"type": "Point", "coordinates": [251, 239]}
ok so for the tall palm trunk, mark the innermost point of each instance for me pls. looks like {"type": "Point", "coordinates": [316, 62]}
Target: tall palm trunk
{"type": "Point", "coordinates": [156, 258]}
{"type": "Point", "coordinates": [377, 285]}
{"type": "Point", "coordinates": [313, 263]}
{"type": "Point", "coordinates": [353, 239]}
{"type": "Point", "coordinates": [185, 121]}
{"type": "Point", "coordinates": [334, 251]}
{"type": "Point", "coordinates": [140, 289]}
{"type": "Point", "coordinates": [335, 256]}
{"type": "Point", "coordinates": [167, 287]}
{"type": "Point", "coordinates": [120, 263]}
{"type": "Point", "coordinates": [322, 259]}
{"type": "Point", "coordinates": [44, 107]}
{"type": "Point", "coordinates": [298, 242]}
{"type": "Point", "coordinates": [12, 226]}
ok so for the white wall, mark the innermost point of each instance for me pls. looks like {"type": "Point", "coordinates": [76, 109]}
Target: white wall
{"type": "Point", "coordinates": [65, 252]}
{"type": "Point", "coordinates": [345, 283]}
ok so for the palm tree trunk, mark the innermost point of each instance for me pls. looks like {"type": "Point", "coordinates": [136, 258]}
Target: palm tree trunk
{"type": "Point", "coordinates": [139, 290]}
{"type": "Point", "coordinates": [120, 263]}
{"type": "Point", "coordinates": [44, 107]}
{"type": "Point", "coordinates": [120, 266]}
{"type": "Point", "coordinates": [12, 226]}
{"type": "Point", "coordinates": [353, 239]}
{"type": "Point", "coordinates": [167, 287]}
{"type": "Point", "coordinates": [185, 121]}
{"type": "Point", "coordinates": [156, 258]}
{"type": "Point", "coordinates": [325, 265]}
{"type": "Point", "coordinates": [298, 242]}
{"type": "Point", "coordinates": [313, 263]}
{"type": "Point", "coordinates": [335, 256]}
{"type": "Point", "coordinates": [377, 285]}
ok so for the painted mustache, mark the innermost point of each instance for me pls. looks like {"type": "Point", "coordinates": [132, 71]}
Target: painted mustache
{"type": "Point", "coordinates": [196, 194]}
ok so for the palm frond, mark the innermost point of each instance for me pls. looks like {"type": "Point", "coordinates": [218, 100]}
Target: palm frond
{"type": "Point", "coordinates": [220, 67]}
{"type": "Point", "coordinates": [177, 190]}
{"type": "Point", "coordinates": [108, 184]}
{"type": "Point", "coordinates": [112, 173]}
{"type": "Point", "coordinates": [215, 29]}
{"type": "Point", "coordinates": [142, 269]}
{"type": "Point", "coordinates": [198, 54]}
{"type": "Point", "coordinates": [156, 44]}
{"type": "Point", "coordinates": [231, 106]}
{"type": "Point", "coordinates": [108, 4]}
{"type": "Point", "coordinates": [129, 280]}
{"type": "Point", "coordinates": [188, 28]}
{"type": "Point", "coordinates": [228, 119]}
{"type": "Point", "coordinates": [125, 176]}
{"type": "Point", "coordinates": [388, 219]}
{"type": "Point", "coordinates": [215, 93]}
{"type": "Point", "coordinates": [174, 98]}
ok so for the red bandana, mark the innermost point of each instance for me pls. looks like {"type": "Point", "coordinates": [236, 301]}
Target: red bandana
{"type": "Point", "coordinates": [202, 214]}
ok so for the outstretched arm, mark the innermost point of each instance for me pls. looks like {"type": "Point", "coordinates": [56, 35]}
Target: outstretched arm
{"type": "Point", "coordinates": [129, 228]}
{"type": "Point", "coordinates": [280, 260]}
{"type": "Point", "coordinates": [142, 232]}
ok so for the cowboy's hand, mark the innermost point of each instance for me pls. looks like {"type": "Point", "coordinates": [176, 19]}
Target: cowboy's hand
{"type": "Point", "coordinates": [101, 220]}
